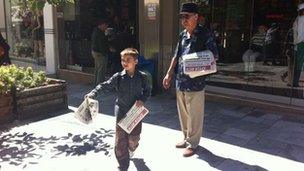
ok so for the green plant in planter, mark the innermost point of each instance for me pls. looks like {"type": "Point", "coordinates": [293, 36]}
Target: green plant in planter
{"type": "Point", "coordinates": [18, 78]}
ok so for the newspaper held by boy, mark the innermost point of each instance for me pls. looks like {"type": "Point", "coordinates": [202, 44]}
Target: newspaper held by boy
{"type": "Point", "coordinates": [87, 110]}
{"type": "Point", "coordinates": [133, 117]}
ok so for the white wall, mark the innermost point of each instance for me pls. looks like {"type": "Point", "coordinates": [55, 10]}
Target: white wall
{"type": "Point", "coordinates": [50, 26]}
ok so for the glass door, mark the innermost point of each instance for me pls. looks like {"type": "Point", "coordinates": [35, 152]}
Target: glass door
{"type": "Point", "coordinates": [230, 23]}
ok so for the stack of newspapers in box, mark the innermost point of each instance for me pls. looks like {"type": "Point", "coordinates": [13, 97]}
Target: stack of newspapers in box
{"type": "Point", "coordinates": [199, 63]}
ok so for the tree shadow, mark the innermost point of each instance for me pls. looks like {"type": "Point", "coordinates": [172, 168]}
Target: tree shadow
{"type": "Point", "coordinates": [140, 164]}
{"type": "Point", "coordinates": [216, 161]}
{"type": "Point", "coordinates": [22, 149]}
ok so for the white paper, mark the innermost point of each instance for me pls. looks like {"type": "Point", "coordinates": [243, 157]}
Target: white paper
{"type": "Point", "coordinates": [199, 63]}
{"type": "Point", "coordinates": [133, 117]}
{"type": "Point", "coordinates": [87, 110]}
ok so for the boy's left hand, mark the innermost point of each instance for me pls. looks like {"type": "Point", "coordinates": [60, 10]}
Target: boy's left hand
{"type": "Point", "coordinates": [139, 103]}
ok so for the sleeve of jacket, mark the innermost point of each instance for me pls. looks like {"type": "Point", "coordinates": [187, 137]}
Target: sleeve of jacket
{"type": "Point", "coordinates": [109, 85]}
{"type": "Point", "coordinates": [146, 88]}
{"type": "Point", "coordinates": [211, 44]}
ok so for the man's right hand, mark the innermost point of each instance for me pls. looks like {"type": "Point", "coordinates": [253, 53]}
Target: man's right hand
{"type": "Point", "coordinates": [166, 81]}
{"type": "Point", "coordinates": [89, 95]}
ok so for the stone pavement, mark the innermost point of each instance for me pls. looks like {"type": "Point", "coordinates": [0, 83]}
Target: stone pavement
{"type": "Point", "coordinates": [235, 138]}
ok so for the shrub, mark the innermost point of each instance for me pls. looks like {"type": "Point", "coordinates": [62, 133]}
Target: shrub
{"type": "Point", "coordinates": [19, 78]}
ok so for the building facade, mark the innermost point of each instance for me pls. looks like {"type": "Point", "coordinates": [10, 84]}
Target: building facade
{"type": "Point", "coordinates": [253, 37]}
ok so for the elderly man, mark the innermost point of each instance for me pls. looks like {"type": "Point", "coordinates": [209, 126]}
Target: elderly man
{"type": "Point", "coordinates": [190, 92]}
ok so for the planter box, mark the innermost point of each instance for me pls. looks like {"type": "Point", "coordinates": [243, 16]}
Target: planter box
{"type": "Point", "coordinates": [6, 108]}
{"type": "Point", "coordinates": [42, 100]}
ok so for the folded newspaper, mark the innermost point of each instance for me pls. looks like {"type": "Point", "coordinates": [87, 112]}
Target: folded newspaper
{"type": "Point", "coordinates": [199, 63]}
{"type": "Point", "coordinates": [87, 110]}
{"type": "Point", "coordinates": [132, 118]}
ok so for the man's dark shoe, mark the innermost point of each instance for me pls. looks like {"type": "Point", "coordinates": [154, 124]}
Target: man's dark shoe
{"type": "Point", "coordinates": [188, 152]}
{"type": "Point", "coordinates": [181, 145]}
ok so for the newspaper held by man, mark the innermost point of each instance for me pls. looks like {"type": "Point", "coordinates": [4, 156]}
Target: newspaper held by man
{"type": "Point", "coordinates": [87, 110]}
{"type": "Point", "coordinates": [133, 117]}
{"type": "Point", "coordinates": [199, 63]}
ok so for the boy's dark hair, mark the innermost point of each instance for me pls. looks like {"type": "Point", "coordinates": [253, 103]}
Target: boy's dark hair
{"type": "Point", "coordinates": [130, 51]}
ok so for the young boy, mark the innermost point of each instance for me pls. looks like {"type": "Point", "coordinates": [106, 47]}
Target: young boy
{"type": "Point", "coordinates": [132, 87]}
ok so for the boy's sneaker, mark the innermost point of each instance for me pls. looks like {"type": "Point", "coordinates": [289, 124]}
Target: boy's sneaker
{"type": "Point", "coordinates": [131, 153]}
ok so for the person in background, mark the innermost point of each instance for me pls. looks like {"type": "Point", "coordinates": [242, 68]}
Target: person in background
{"type": "Point", "coordinates": [289, 53]}
{"type": "Point", "coordinates": [132, 87]}
{"type": "Point", "coordinates": [100, 49]}
{"type": "Point", "coordinates": [271, 46]}
{"type": "Point", "coordinates": [4, 52]}
{"type": "Point", "coordinates": [38, 35]}
{"type": "Point", "coordinates": [190, 92]}
{"type": "Point", "coordinates": [255, 49]}
{"type": "Point", "coordinates": [298, 34]}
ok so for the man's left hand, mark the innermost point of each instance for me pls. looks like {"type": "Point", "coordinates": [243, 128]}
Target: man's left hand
{"type": "Point", "coordinates": [139, 103]}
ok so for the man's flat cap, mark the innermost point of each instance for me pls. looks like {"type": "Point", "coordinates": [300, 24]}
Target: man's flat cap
{"type": "Point", "coordinates": [189, 7]}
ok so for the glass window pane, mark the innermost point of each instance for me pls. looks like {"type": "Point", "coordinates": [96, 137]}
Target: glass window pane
{"type": "Point", "coordinates": [26, 33]}
{"type": "Point", "coordinates": [256, 47]}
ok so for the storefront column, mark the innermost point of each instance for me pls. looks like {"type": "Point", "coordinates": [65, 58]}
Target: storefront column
{"type": "Point", "coordinates": [149, 26]}
{"type": "Point", "coordinates": [158, 33]}
{"type": "Point", "coordinates": [50, 24]}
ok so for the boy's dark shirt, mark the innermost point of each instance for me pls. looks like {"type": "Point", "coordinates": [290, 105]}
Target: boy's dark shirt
{"type": "Point", "coordinates": [99, 42]}
{"type": "Point", "coordinates": [128, 90]}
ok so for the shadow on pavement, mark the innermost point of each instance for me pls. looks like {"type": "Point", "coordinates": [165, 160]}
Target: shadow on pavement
{"type": "Point", "coordinates": [215, 161]}
{"type": "Point", "coordinates": [24, 148]}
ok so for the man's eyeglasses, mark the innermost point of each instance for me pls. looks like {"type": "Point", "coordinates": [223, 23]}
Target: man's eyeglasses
{"type": "Point", "coordinates": [185, 16]}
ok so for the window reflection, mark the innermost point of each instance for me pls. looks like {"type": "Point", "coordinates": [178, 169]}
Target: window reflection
{"type": "Point", "coordinates": [26, 33]}
{"type": "Point", "coordinates": [255, 44]}
{"type": "Point", "coordinates": [79, 23]}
